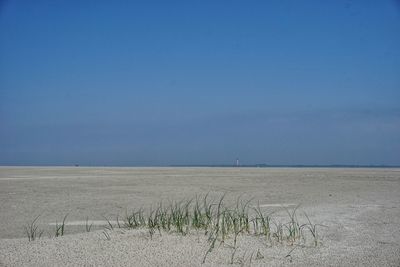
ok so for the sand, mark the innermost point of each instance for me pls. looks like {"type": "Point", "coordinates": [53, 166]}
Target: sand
{"type": "Point", "coordinates": [360, 207]}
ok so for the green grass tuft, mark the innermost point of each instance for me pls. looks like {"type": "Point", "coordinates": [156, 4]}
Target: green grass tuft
{"type": "Point", "coordinates": [32, 230]}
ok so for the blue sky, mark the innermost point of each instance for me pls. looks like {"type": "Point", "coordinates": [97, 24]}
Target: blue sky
{"type": "Point", "coordinates": [199, 82]}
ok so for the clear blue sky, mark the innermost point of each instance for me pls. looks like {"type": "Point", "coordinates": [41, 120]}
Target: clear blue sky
{"type": "Point", "coordinates": [199, 82]}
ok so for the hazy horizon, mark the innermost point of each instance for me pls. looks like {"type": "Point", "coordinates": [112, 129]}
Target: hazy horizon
{"type": "Point", "coordinates": [200, 83]}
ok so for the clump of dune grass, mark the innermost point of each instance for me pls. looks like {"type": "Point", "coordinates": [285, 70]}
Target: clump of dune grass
{"type": "Point", "coordinates": [109, 226]}
{"type": "Point", "coordinates": [32, 230]}
{"type": "Point", "coordinates": [220, 223]}
{"type": "Point", "coordinates": [312, 229]}
{"type": "Point", "coordinates": [60, 228]}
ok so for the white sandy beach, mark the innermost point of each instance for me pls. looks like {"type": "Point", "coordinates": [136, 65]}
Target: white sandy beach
{"type": "Point", "coordinates": [360, 207]}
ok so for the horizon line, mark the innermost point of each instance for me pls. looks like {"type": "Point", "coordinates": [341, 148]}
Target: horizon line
{"type": "Point", "coordinates": [218, 165]}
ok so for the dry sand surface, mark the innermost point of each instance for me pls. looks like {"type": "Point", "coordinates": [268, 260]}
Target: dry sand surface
{"type": "Point", "coordinates": [360, 207]}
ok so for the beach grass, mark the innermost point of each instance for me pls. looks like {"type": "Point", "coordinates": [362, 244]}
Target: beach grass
{"type": "Point", "coordinates": [32, 230]}
{"type": "Point", "coordinates": [60, 228]}
{"type": "Point", "coordinates": [213, 217]}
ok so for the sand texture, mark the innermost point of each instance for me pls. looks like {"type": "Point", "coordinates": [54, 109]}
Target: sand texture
{"type": "Point", "coordinates": [359, 207]}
